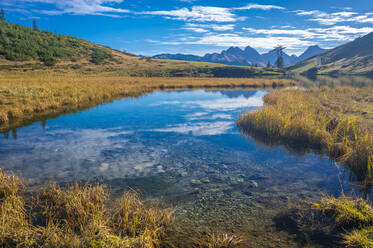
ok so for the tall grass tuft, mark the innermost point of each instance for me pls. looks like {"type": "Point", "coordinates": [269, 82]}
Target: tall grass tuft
{"type": "Point", "coordinates": [352, 217]}
{"type": "Point", "coordinates": [134, 219]}
{"type": "Point", "coordinates": [218, 240]}
{"type": "Point", "coordinates": [77, 217]}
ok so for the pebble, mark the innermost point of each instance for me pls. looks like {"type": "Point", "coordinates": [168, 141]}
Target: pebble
{"type": "Point", "coordinates": [253, 184]}
{"type": "Point", "coordinates": [104, 167]}
{"type": "Point", "coordinates": [195, 181]}
{"type": "Point", "coordinates": [184, 174]}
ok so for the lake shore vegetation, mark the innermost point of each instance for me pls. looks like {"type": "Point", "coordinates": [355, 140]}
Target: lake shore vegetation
{"type": "Point", "coordinates": [85, 215]}
{"type": "Point", "coordinates": [28, 99]}
{"type": "Point", "coordinates": [337, 121]}
{"type": "Point", "coordinates": [353, 218]}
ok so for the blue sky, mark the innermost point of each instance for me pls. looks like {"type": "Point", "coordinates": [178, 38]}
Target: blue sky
{"type": "Point", "coordinates": [151, 27]}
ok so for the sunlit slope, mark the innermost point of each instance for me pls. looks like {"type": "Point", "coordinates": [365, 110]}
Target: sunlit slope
{"type": "Point", "coordinates": [23, 49]}
{"type": "Point", "coordinates": [355, 57]}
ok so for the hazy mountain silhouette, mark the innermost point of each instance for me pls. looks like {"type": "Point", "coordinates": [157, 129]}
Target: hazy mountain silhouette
{"type": "Point", "coordinates": [247, 56]}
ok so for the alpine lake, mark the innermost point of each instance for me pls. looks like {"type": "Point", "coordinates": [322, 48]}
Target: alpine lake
{"type": "Point", "coordinates": [183, 149]}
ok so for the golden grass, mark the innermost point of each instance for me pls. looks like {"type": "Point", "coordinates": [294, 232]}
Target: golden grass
{"type": "Point", "coordinates": [218, 240]}
{"type": "Point", "coordinates": [346, 212]}
{"type": "Point", "coordinates": [77, 217]}
{"type": "Point", "coordinates": [352, 217]}
{"type": "Point", "coordinates": [28, 99]}
{"type": "Point", "coordinates": [362, 238]}
{"type": "Point", "coordinates": [337, 121]}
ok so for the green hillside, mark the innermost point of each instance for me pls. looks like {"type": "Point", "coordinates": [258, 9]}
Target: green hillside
{"type": "Point", "coordinates": [355, 57]}
{"type": "Point", "coordinates": [25, 50]}
{"type": "Point", "coordinates": [19, 43]}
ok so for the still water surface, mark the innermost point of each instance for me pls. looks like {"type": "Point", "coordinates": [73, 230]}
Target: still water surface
{"type": "Point", "coordinates": [182, 148]}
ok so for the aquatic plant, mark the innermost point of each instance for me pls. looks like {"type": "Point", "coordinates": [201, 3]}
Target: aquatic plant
{"type": "Point", "coordinates": [346, 211]}
{"type": "Point", "coordinates": [218, 240]}
{"type": "Point", "coordinates": [362, 238]}
{"type": "Point", "coordinates": [352, 217]}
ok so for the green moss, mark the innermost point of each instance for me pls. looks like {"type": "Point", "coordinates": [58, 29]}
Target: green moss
{"type": "Point", "coordinates": [346, 212]}
{"type": "Point", "coordinates": [352, 217]}
{"type": "Point", "coordinates": [359, 238]}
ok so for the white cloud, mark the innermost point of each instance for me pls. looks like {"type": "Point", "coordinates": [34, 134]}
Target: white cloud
{"type": "Point", "coordinates": [259, 6]}
{"type": "Point", "coordinates": [336, 17]}
{"type": "Point", "coordinates": [197, 13]}
{"type": "Point", "coordinates": [227, 40]}
{"type": "Point", "coordinates": [202, 28]}
{"type": "Point", "coordinates": [196, 29]}
{"type": "Point", "coordinates": [340, 33]}
{"type": "Point", "coordinates": [81, 7]}
{"type": "Point", "coordinates": [222, 27]}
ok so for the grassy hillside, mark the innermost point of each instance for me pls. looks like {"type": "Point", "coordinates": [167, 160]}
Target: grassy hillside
{"type": "Point", "coordinates": [355, 57]}
{"type": "Point", "coordinates": [24, 50]}
{"type": "Point", "coordinates": [19, 43]}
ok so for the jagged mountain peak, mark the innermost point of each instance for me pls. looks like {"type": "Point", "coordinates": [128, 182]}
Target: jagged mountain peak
{"type": "Point", "coordinates": [246, 56]}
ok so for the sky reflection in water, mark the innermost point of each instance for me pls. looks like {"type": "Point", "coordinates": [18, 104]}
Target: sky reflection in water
{"type": "Point", "coordinates": [163, 133]}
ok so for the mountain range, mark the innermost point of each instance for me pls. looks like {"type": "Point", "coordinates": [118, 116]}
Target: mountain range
{"type": "Point", "coordinates": [355, 57]}
{"type": "Point", "coordinates": [245, 57]}
{"type": "Point", "coordinates": [25, 49]}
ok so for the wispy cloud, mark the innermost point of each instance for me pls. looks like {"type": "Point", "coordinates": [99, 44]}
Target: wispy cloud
{"type": "Point", "coordinates": [227, 40]}
{"type": "Point", "coordinates": [336, 17]}
{"type": "Point", "coordinates": [80, 7]}
{"type": "Point", "coordinates": [340, 33]}
{"type": "Point", "coordinates": [259, 6]}
{"type": "Point", "coordinates": [209, 14]}
{"type": "Point", "coordinates": [197, 13]}
{"type": "Point", "coordinates": [203, 28]}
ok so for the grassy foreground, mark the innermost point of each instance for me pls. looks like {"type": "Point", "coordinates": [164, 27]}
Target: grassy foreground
{"type": "Point", "coordinates": [83, 216]}
{"type": "Point", "coordinates": [29, 99]}
{"type": "Point", "coordinates": [337, 121]}
{"type": "Point", "coordinates": [76, 217]}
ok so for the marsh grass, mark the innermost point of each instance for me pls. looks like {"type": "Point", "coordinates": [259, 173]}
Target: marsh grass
{"type": "Point", "coordinates": [337, 121]}
{"type": "Point", "coordinates": [76, 217]}
{"type": "Point", "coordinates": [83, 216]}
{"type": "Point", "coordinates": [33, 98]}
{"type": "Point", "coordinates": [217, 240]}
{"type": "Point", "coordinates": [352, 217]}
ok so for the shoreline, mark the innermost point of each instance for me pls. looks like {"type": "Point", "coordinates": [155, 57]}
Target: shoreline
{"type": "Point", "coordinates": [28, 100]}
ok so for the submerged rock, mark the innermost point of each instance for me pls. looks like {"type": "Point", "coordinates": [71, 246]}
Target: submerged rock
{"type": "Point", "coordinates": [104, 167]}
{"type": "Point", "coordinates": [195, 182]}
{"type": "Point", "coordinates": [252, 184]}
{"type": "Point", "coordinates": [258, 177]}
{"type": "Point", "coordinates": [184, 174]}
{"type": "Point", "coordinates": [144, 165]}
{"type": "Point", "coordinates": [205, 180]}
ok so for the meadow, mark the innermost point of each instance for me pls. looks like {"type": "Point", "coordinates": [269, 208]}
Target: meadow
{"type": "Point", "coordinates": [24, 100]}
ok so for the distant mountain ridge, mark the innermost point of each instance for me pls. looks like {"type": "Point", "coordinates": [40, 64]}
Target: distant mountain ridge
{"type": "Point", "coordinates": [355, 57]}
{"type": "Point", "coordinates": [246, 57]}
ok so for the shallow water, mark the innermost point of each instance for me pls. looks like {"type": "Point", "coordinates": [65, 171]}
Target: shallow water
{"type": "Point", "coordinates": [182, 148]}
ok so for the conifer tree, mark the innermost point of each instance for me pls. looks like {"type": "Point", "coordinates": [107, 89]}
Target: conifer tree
{"type": "Point", "coordinates": [280, 59]}
{"type": "Point", "coordinates": [35, 25]}
{"type": "Point", "coordinates": [2, 16]}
